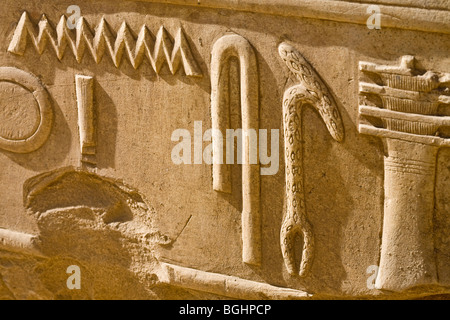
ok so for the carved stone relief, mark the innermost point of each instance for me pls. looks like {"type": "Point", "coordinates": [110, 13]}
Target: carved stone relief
{"type": "Point", "coordinates": [86, 118]}
{"type": "Point", "coordinates": [26, 110]}
{"type": "Point", "coordinates": [85, 150]}
{"type": "Point", "coordinates": [157, 50]}
{"type": "Point", "coordinates": [406, 100]}
{"type": "Point", "coordinates": [312, 91]}
{"type": "Point", "coordinates": [226, 47]}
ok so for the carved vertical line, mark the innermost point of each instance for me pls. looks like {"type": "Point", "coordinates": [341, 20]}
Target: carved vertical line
{"type": "Point", "coordinates": [86, 125]}
{"type": "Point", "coordinates": [226, 47]}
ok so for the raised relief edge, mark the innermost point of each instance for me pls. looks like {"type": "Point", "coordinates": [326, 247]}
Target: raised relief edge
{"type": "Point", "coordinates": [400, 16]}
{"type": "Point", "coordinates": [227, 286]}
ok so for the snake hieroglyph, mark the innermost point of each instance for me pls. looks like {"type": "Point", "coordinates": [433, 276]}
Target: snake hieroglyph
{"type": "Point", "coordinates": [309, 91]}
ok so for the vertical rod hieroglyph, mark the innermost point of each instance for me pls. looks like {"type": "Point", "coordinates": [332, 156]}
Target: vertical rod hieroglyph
{"type": "Point", "coordinates": [225, 48]}
{"type": "Point", "coordinates": [86, 125]}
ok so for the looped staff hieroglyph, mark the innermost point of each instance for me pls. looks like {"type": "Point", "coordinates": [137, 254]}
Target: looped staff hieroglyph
{"type": "Point", "coordinates": [312, 91]}
{"type": "Point", "coordinates": [225, 48]}
{"type": "Point", "coordinates": [26, 111]}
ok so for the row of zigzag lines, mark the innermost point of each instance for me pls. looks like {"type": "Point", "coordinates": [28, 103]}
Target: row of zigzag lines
{"type": "Point", "coordinates": [157, 50]}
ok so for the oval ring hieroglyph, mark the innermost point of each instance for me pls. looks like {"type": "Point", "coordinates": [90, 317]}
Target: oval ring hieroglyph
{"type": "Point", "coordinates": [32, 84]}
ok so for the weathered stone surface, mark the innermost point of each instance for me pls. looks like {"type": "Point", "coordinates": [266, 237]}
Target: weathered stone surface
{"type": "Point", "coordinates": [113, 186]}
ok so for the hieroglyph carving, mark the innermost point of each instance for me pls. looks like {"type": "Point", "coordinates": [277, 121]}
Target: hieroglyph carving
{"type": "Point", "coordinates": [18, 134]}
{"type": "Point", "coordinates": [226, 286]}
{"type": "Point", "coordinates": [226, 47]}
{"type": "Point", "coordinates": [401, 105]}
{"type": "Point", "coordinates": [157, 51]}
{"type": "Point", "coordinates": [311, 90]}
{"type": "Point", "coordinates": [86, 123]}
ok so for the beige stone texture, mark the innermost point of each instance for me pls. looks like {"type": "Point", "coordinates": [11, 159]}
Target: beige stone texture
{"type": "Point", "coordinates": [90, 101]}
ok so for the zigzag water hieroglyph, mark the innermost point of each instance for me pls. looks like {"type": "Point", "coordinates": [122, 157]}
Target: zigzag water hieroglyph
{"type": "Point", "coordinates": [310, 90]}
{"type": "Point", "coordinates": [157, 50]}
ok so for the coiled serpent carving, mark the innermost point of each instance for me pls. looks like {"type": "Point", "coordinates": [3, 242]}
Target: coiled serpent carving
{"type": "Point", "coordinates": [310, 91]}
